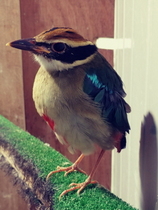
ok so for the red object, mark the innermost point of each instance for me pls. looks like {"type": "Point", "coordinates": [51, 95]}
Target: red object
{"type": "Point", "coordinates": [118, 136]}
{"type": "Point", "coordinates": [49, 121]}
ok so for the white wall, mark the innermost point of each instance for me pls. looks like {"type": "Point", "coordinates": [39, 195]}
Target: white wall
{"type": "Point", "coordinates": [134, 170]}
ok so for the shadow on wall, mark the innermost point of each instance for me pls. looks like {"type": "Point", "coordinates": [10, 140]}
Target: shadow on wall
{"type": "Point", "coordinates": [148, 162]}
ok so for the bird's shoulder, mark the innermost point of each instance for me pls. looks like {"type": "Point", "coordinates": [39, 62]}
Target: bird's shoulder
{"type": "Point", "coordinates": [100, 75]}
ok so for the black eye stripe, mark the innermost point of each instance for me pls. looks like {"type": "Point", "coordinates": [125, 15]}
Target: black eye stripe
{"type": "Point", "coordinates": [70, 54]}
{"type": "Point", "coordinates": [73, 54]}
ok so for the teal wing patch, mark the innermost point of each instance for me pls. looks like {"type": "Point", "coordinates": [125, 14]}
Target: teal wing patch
{"type": "Point", "coordinates": [105, 87]}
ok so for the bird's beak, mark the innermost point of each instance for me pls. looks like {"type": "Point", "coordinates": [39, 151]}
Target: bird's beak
{"type": "Point", "coordinates": [28, 45]}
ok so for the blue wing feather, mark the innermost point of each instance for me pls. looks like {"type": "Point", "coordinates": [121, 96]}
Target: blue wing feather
{"type": "Point", "coordinates": [104, 86]}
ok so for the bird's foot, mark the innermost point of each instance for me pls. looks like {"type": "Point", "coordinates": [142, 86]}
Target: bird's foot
{"type": "Point", "coordinates": [67, 170]}
{"type": "Point", "coordinates": [78, 186]}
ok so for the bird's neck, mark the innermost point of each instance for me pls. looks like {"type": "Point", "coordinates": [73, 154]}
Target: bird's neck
{"type": "Point", "coordinates": [69, 79]}
{"type": "Point", "coordinates": [65, 81]}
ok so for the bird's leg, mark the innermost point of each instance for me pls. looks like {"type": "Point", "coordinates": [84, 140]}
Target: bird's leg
{"type": "Point", "coordinates": [81, 186]}
{"type": "Point", "coordinates": [69, 169]}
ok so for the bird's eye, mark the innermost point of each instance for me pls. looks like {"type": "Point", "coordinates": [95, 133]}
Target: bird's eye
{"type": "Point", "coordinates": [59, 47]}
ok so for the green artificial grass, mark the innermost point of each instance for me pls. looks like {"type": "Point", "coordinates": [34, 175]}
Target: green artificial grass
{"type": "Point", "coordinates": [27, 160]}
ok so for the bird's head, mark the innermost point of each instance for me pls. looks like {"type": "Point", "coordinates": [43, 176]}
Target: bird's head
{"type": "Point", "coordinates": [59, 48]}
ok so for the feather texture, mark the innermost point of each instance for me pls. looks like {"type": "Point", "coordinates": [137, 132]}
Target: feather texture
{"type": "Point", "coordinates": [59, 97]}
{"type": "Point", "coordinates": [105, 87]}
{"type": "Point", "coordinates": [77, 91]}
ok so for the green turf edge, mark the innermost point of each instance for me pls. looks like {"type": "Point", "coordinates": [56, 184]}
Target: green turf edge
{"type": "Point", "coordinates": [46, 159]}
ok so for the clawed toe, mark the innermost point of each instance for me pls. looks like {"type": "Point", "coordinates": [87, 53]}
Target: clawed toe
{"type": "Point", "coordinates": [78, 186]}
{"type": "Point", "coordinates": [67, 170]}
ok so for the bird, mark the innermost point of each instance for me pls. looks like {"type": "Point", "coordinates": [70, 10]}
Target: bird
{"type": "Point", "coordinates": [79, 94]}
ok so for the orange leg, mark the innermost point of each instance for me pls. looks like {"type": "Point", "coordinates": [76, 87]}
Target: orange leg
{"type": "Point", "coordinates": [81, 186]}
{"type": "Point", "coordinates": [68, 169]}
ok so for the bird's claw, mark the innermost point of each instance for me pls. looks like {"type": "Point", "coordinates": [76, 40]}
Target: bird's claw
{"type": "Point", "coordinates": [77, 186]}
{"type": "Point", "coordinates": [67, 170]}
